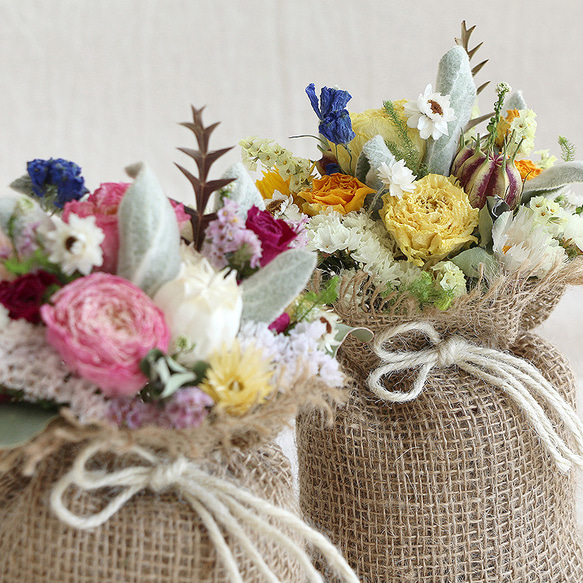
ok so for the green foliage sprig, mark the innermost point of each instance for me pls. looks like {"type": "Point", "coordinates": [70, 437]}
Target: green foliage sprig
{"type": "Point", "coordinates": [405, 150]}
{"type": "Point", "coordinates": [568, 149]}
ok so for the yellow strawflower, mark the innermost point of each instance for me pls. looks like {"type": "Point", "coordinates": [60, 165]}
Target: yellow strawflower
{"type": "Point", "coordinates": [237, 380]}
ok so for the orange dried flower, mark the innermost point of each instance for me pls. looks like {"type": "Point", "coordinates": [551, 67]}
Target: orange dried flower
{"type": "Point", "coordinates": [340, 192]}
{"type": "Point", "coordinates": [527, 168]}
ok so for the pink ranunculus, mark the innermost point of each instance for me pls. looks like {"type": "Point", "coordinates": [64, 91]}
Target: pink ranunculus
{"type": "Point", "coordinates": [102, 325]}
{"type": "Point", "coordinates": [103, 205]}
{"type": "Point", "coordinates": [275, 234]}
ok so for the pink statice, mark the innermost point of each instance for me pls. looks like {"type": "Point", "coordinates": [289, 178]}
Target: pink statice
{"type": "Point", "coordinates": [187, 408]}
{"type": "Point", "coordinates": [227, 235]}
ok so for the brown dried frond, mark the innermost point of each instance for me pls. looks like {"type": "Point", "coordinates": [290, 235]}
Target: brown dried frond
{"type": "Point", "coordinates": [203, 189]}
{"type": "Point", "coordinates": [464, 41]}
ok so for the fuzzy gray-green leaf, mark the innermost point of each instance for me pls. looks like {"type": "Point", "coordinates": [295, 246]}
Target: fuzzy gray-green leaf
{"type": "Point", "coordinates": [7, 208]}
{"type": "Point", "coordinates": [20, 423]}
{"type": "Point", "coordinates": [454, 78]}
{"type": "Point", "coordinates": [375, 152]}
{"type": "Point", "coordinates": [242, 190]}
{"type": "Point", "coordinates": [553, 180]}
{"type": "Point", "coordinates": [267, 293]}
{"type": "Point", "coordinates": [149, 253]}
{"type": "Point", "coordinates": [515, 101]}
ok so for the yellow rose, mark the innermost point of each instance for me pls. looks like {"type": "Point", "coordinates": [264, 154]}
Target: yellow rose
{"type": "Point", "coordinates": [367, 125]}
{"type": "Point", "coordinates": [340, 192]}
{"type": "Point", "coordinates": [431, 222]}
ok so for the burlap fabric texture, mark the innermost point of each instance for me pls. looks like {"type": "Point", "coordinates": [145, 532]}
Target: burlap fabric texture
{"type": "Point", "coordinates": [454, 486]}
{"type": "Point", "coordinates": [154, 537]}
{"type": "Point", "coordinates": [161, 532]}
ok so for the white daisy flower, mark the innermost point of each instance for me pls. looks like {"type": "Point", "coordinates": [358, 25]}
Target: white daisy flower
{"type": "Point", "coordinates": [283, 207]}
{"type": "Point", "coordinates": [430, 114]}
{"type": "Point", "coordinates": [522, 244]}
{"type": "Point", "coordinates": [76, 245]}
{"type": "Point", "coordinates": [396, 177]}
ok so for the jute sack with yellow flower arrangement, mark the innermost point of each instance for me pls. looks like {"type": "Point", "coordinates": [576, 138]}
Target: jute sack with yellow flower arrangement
{"type": "Point", "coordinates": [453, 458]}
{"type": "Point", "coordinates": [143, 381]}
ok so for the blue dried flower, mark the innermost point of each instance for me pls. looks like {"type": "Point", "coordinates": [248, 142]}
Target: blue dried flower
{"type": "Point", "coordinates": [335, 124]}
{"type": "Point", "coordinates": [57, 180]}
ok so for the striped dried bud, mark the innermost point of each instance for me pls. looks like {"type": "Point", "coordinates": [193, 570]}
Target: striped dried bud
{"type": "Point", "coordinates": [484, 174]}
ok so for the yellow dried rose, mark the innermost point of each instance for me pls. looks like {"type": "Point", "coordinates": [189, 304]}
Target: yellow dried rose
{"type": "Point", "coordinates": [339, 192]}
{"type": "Point", "coordinates": [368, 124]}
{"type": "Point", "coordinates": [431, 222]}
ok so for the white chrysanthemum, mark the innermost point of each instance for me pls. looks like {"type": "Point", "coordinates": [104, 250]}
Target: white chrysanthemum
{"type": "Point", "coordinates": [450, 277]}
{"type": "Point", "coordinates": [521, 244]}
{"type": "Point", "coordinates": [573, 232]}
{"type": "Point", "coordinates": [327, 234]}
{"type": "Point", "coordinates": [549, 214]}
{"type": "Point", "coordinates": [430, 114]}
{"type": "Point", "coordinates": [396, 177]}
{"type": "Point", "coordinates": [75, 245]}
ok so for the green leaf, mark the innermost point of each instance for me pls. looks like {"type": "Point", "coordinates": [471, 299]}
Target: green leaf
{"type": "Point", "coordinates": [7, 209]}
{"type": "Point", "coordinates": [149, 253]}
{"type": "Point", "coordinates": [454, 78]}
{"type": "Point", "coordinates": [553, 180]}
{"type": "Point", "coordinates": [20, 423]}
{"type": "Point", "coordinates": [342, 332]}
{"type": "Point", "coordinates": [267, 293]}
{"type": "Point", "coordinates": [469, 262]}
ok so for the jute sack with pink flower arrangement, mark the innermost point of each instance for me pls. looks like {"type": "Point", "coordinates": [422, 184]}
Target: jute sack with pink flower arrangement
{"type": "Point", "coordinates": [452, 459]}
{"type": "Point", "coordinates": [212, 504]}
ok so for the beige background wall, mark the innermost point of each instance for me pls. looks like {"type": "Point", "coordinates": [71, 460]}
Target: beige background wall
{"type": "Point", "coordinates": [104, 82]}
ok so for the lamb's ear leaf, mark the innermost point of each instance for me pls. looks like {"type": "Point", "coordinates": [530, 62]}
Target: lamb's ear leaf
{"type": "Point", "coordinates": [149, 251]}
{"type": "Point", "coordinates": [269, 291]}
{"type": "Point", "coordinates": [454, 78]}
{"type": "Point", "coordinates": [20, 423]}
{"type": "Point", "coordinates": [553, 180]}
{"type": "Point", "coordinates": [242, 190]}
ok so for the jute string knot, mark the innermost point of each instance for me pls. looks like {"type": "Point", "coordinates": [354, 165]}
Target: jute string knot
{"type": "Point", "coordinates": [518, 380]}
{"type": "Point", "coordinates": [223, 508]}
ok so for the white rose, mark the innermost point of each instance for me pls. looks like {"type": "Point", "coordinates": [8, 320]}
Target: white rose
{"type": "Point", "coordinates": [202, 309]}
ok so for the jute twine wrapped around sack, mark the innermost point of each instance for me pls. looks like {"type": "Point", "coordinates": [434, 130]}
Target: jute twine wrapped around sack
{"type": "Point", "coordinates": [92, 504]}
{"type": "Point", "coordinates": [466, 481]}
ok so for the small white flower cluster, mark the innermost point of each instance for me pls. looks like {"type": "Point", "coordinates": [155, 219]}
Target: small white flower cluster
{"type": "Point", "coordinates": [302, 346]}
{"type": "Point", "coordinates": [367, 242]}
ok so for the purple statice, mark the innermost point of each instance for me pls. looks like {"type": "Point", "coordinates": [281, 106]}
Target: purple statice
{"type": "Point", "coordinates": [56, 180]}
{"type": "Point", "coordinates": [228, 242]}
{"type": "Point", "coordinates": [335, 124]}
{"type": "Point", "coordinates": [185, 409]}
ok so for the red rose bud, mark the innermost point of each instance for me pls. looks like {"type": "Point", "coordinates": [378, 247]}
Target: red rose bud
{"type": "Point", "coordinates": [24, 296]}
{"type": "Point", "coordinates": [488, 174]}
{"type": "Point", "coordinates": [275, 234]}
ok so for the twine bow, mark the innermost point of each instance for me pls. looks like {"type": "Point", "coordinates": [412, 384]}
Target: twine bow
{"type": "Point", "coordinates": [221, 505]}
{"type": "Point", "coordinates": [518, 379]}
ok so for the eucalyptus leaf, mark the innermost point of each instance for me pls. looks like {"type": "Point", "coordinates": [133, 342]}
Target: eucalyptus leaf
{"type": "Point", "coordinates": [454, 78]}
{"type": "Point", "coordinates": [515, 101]}
{"type": "Point", "coordinates": [343, 331]}
{"type": "Point", "coordinates": [242, 190]}
{"type": "Point", "coordinates": [149, 253]}
{"type": "Point", "coordinates": [269, 291]}
{"type": "Point", "coordinates": [469, 262]}
{"type": "Point", "coordinates": [553, 180]}
{"type": "Point", "coordinates": [20, 423]}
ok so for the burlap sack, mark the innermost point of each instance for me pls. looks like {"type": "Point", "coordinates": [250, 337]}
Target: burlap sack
{"type": "Point", "coordinates": [153, 538]}
{"type": "Point", "coordinates": [454, 486]}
